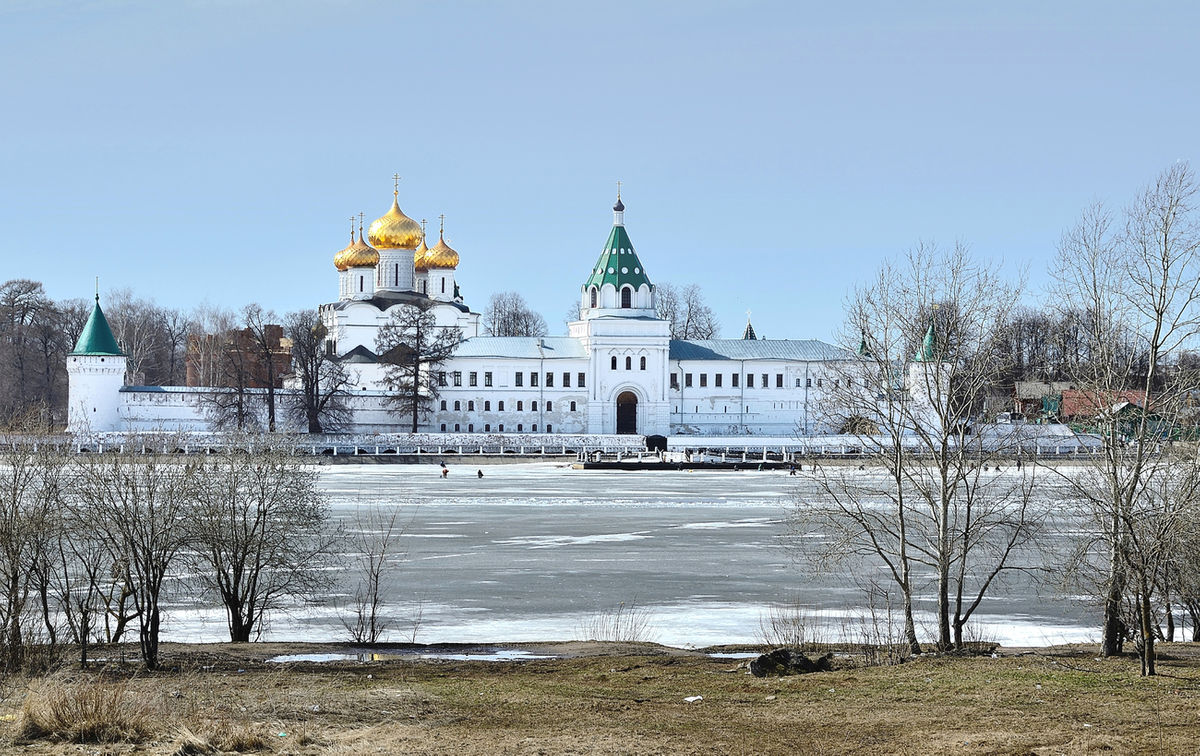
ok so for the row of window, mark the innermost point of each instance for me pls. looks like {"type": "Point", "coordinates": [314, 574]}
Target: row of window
{"type": "Point", "coordinates": [444, 379]}
{"type": "Point", "coordinates": [487, 406]}
{"type": "Point", "coordinates": [629, 363]}
{"type": "Point", "coordinates": [766, 381]}
{"type": "Point", "coordinates": [487, 428]}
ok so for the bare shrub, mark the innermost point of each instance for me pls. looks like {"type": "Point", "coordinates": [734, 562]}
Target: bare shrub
{"type": "Point", "coordinates": [87, 711]}
{"type": "Point", "coordinates": [623, 623]}
{"type": "Point", "coordinates": [877, 632]}
{"type": "Point", "coordinates": [788, 625]}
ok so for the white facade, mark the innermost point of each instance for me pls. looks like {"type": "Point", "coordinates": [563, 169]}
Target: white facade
{"type": "Point", "coordinates": [616, 370]}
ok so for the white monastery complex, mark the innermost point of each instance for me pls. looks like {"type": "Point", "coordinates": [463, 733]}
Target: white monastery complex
{"type": "Point", "coordinates": [616, 371]}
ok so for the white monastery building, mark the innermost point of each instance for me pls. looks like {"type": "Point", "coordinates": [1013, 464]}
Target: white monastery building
{"type": "Point", "coordinates": [616, 371]}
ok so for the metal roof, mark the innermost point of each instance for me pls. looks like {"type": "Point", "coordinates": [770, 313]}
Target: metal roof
{"type": "Point", "coordinates": [801, 350]}
{"type": "Point", "coordinates": [522, 347]}
{"type": "Point", "coordinates": [97, 338]}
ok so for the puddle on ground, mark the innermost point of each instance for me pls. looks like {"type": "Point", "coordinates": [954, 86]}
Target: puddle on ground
{"type": "Point", "coordinates": [499, 655]}
{"type": "Point", "coordinates": [736, 655]}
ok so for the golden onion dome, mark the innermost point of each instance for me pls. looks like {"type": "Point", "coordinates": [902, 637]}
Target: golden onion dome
{"type": "Point", "coordinates": [395, 230]}
{"type": "Point", "coordinates": [419, 257]}
{"type": "Point", "coordinates": [340, 257]}
{"type": "Point", "coordinates": [441, 256]}
{"type": "Point", "coordinates": [358, 255]}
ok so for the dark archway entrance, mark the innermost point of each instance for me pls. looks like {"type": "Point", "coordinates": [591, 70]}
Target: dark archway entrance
{"type": "Point", "coordinates": [627, 413]}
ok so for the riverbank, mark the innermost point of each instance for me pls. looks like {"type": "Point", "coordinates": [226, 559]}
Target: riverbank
{"type": "Point", "coordinates": [628, 698]}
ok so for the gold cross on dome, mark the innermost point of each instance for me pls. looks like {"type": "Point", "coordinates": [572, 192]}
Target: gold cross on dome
{"type": "Point", "coordinates": [618, 190]}
{"type": "Point", "coordinates": [351, 228]}
{"type": "Point", "coordinates": [396, 183]}
{"type": "Point", "coordinates": [360, 221]}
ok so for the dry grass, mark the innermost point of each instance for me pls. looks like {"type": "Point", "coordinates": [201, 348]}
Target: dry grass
{"type": "Point", "coordinates": [1042, 703]}
{"type": "Point", "coordinates": [88, 710]}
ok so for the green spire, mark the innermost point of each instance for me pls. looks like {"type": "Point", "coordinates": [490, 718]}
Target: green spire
{"type": "Point", "coordinates": [928, 349]}
{"type": "Point", "coordinates": [863, 349]}
{"type": "Point", "coordinates": [97, 338]}
{"type": "Point", "coordinates": [618, 264]}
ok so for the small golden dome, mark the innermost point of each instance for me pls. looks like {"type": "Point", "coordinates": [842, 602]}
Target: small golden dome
{"type": "Point", "coordinates": [357, 255]}
{"type": "Point", "coordinates": [441, 256]}
{"type": "Point", "coordinates": [419, 257]}
{"type": "Point", "coordinates": [339, 258]}
{"type": "Point", "coordinates": [395, 230]}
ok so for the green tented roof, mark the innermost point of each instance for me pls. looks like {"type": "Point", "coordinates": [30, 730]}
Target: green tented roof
{"type": "Point", "coordinates": [97, 338]}
{"type": "Point", "coordinates": [618, 264]}
{"type": "Point", "coordinates": [927, 352]}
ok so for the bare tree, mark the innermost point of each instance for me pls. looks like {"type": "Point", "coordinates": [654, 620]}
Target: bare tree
{"type": "Point", "coordinates": [139, 504]}
{"type": "Point", "coordinates": [264, 341]}
{"type": "Point", "coordinates": [323, 383]}
{"type": "Point", "coordinates": [684, 308]}
{"type": "Point", "coordinates": [412, 347]}
{"type": "Point", "coordinates": [258, 530]}
{"type": "Point", "coordinates": [377, 546]}
{"type": "Point", "coordinates": [1138, 285]}
{"type": "Point", "coordinates": [31, 488]}
{"type": "Point", "coordinates": [910, 400]}
{"type": "Point", "coordinates": [507, 314]}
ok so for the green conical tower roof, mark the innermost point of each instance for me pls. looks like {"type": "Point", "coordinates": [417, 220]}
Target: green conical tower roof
{"type": "Point", "coordinates": [618, 264]}
{"type": "Point", "coordinates": [927, 352]}
{"type": "Point", "coordinates": [863, 349]}
{"type": "Point", "coordinates": [97, 338]}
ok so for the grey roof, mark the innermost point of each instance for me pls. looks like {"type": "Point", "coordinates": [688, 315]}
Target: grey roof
{"type": "Point", "coordinates": [801, 350]}
{"type": "Point", "coordinates": [386, 298]}
{"type": "Point", "coordinates": [522, 347]}
{"type": "Point", "coordinates": [359, 355]}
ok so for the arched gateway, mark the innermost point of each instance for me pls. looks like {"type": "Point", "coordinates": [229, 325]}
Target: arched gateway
{"type": "Point", "coordinates": [627, 413]}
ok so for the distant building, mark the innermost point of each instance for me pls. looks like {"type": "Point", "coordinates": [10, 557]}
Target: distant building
{"type": "Point", "coordinates": [615, 371]}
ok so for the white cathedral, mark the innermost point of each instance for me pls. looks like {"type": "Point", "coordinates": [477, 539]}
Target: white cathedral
{"type": "Point", "coordinates": [617, 371]}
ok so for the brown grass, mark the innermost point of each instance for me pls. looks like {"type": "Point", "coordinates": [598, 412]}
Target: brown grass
{"type": "Point", "coordinates": [88, 710]}
{"type": "Point", "coordinates": [1064, 701]}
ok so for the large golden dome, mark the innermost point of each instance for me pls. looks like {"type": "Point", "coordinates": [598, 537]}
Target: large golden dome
{"type": "Point", "coordinates": [395, 230]}
{"type": "Point", "coordinates": [419, 257]}
{"type": "Point", "coordinates": [357, 255]}
{"type": "Point", "coordinates": [440, 256]}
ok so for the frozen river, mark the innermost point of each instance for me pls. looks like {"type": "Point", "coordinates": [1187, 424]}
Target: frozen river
{"type": "Point", "coordinates": [536, 551]}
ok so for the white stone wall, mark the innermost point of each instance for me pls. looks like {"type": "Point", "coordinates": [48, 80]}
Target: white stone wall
{"type": "Point", "coordinates": [527, 408]}
{"type": "Point", "coordinates": [93, 394]}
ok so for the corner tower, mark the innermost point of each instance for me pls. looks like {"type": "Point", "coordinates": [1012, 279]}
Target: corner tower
{"type": "Point", "coordinates": [95, 375]}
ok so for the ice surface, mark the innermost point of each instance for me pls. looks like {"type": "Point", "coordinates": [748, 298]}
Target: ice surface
{"type": "Point", "coordinates": [536, 552]}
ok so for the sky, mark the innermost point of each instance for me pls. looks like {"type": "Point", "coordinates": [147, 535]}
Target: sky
{"type": "Point", "coordinates": [211, 152]}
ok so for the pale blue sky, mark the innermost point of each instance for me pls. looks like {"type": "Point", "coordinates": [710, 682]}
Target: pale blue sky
{"type": "Point", "coordinates": [772, 152]}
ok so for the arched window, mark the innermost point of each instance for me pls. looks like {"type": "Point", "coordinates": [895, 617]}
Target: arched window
{"type": "Point", "coordinates": [471, 406]}
{"type": "Point", "coordinates": [614, 362]}
{"type": "Point", "coordinates": [471, 428]}
{"type": "Point", "coordinates": [456, 427]}
{"type": "Point", "coordinates": [533, 406]}
{"type": "Point", "coordinates": [627, 297]}
{"type": "Point", "coordinates": [443, 427]}
{"type": "Point", "coordinates": [443, 404]}
{"type": "Point", "coordinates": [643, 363]}
{"type": "Point", "coordinates": [549, 406]}
{"type": "Point", "coordinates": [457, 407]}
{"type": "Point", "coordinates": [500, 408]}
{"type": "Point", "coordinates": [487, 406]}
{"type": "Point", "coordinates": [501, 428]}
{"type": "Point", "coordinates": [396, 280]}
{"type": "Point", "coordinates": [487, 428]}
{"type": "Point", "coordinates": [520, 427]}
{"type": "Point", "coordinates": [519, 406]}
{"type": "Point", "coordinates": [360, 283]}
{"type": "Point", "coordinates": [594, 296]}
{"type": "Point", "coordinates": [443, 286]}
{"type": "Point", "coordinates": [572, 406]}
{"type": "Point", "coordinates": [629, 363]}
{"type": "Point", "coordinates": [549, 428]}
